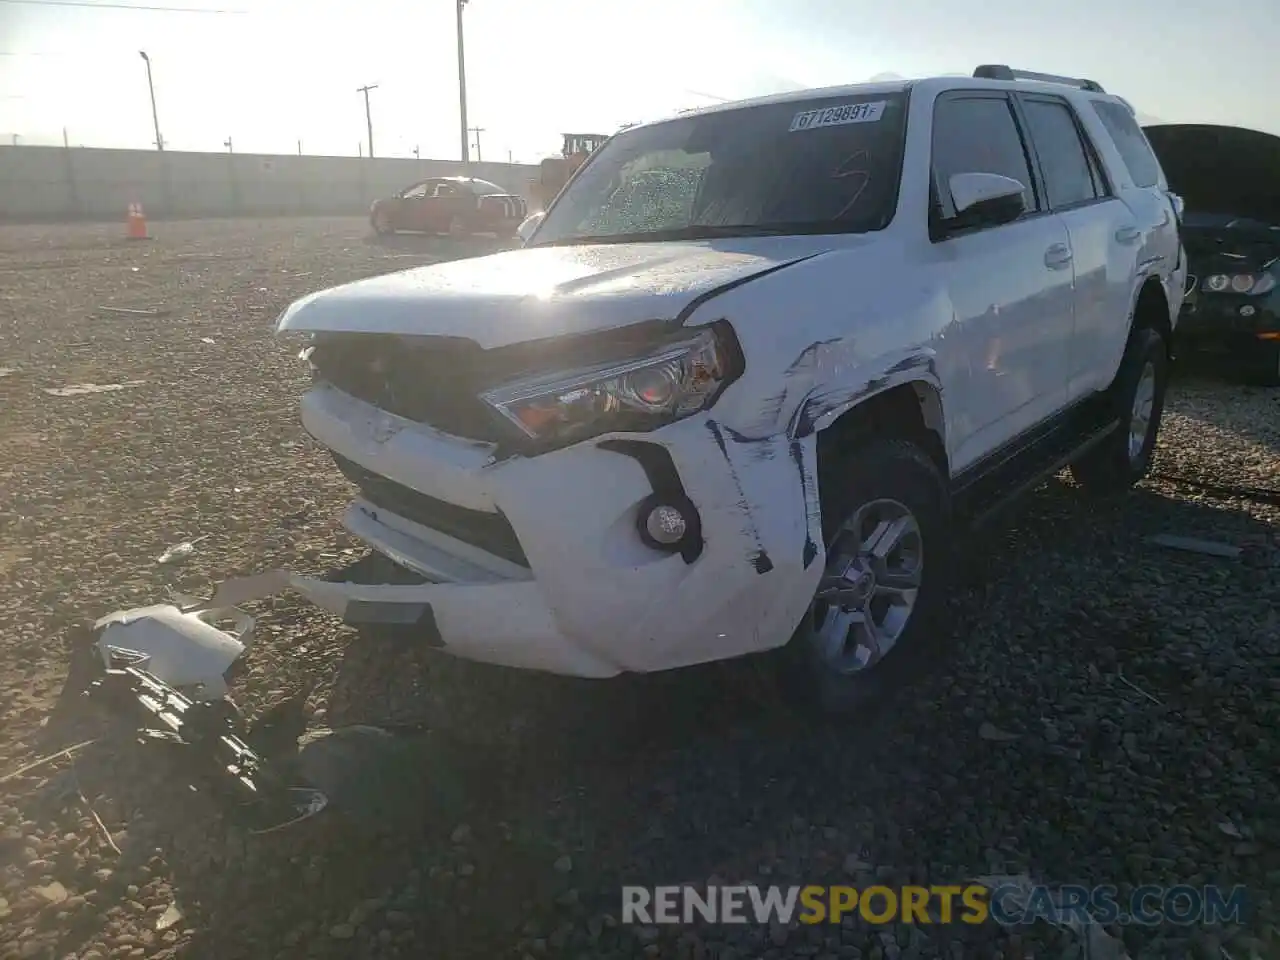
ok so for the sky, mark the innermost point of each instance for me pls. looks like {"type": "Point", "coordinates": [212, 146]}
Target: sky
{"type": "Point", "coordinates": [267, 74]}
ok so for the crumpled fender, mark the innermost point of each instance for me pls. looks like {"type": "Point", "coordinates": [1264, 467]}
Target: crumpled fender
{"type": "Point", "coordinates": [825, 404]}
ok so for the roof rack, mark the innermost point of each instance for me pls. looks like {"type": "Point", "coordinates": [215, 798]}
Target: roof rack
{"type": "Point", "coordinates": [1002, 71]}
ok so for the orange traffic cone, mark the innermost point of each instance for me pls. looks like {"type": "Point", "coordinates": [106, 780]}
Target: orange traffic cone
{"type": "Point", "coordinates": [137, 223]}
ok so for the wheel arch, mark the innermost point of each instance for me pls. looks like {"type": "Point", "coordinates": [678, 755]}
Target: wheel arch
{"type": "Point", "coordinates": [910, 408]}
{"type": "Point", "coordinates": [1151, 308]}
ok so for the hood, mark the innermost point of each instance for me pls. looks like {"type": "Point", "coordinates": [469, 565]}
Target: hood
{"type": "Point", "coordinates": [1217, 244]}
{"type": "Point", "coordinates": [540, 292]}
{"type": "Point", "coordinates": [1217, 169]}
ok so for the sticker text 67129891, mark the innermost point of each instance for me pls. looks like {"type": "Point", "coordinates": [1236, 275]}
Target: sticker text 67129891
{"type": "Point", "coordinates": [836, 116]}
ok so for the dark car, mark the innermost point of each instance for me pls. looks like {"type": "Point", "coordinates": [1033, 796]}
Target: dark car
{"type": "Point", "coordinates": [1229, 179]}
{"type": "Point", "coordinates": [458, 206]}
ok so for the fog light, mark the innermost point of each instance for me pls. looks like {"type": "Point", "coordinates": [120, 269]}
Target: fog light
{"type": "Point", "coordinates": [666, 525]}
{"type": "Point", "coordinates": [1247, 311]}
{"type": "Point", "coordinates": [670, 523]}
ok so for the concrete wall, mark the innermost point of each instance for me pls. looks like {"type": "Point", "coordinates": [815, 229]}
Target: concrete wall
{"type": "Point", "coordinates": [53, 183]}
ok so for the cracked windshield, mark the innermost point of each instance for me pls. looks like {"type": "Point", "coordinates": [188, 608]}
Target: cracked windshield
{"type": "Point", "coordinates": [741, 173]}
{"type": "Point", "coordinates": [691, 480]}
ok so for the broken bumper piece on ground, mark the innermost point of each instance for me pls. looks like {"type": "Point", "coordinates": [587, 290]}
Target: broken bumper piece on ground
{"type": "Point", "coordinates": [165, 669]}
{"type": "Point", "coordinates": [214, 742]}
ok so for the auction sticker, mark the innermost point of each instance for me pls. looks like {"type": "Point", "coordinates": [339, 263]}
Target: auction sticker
{"type": "Point", "coordinates": [837, 116]}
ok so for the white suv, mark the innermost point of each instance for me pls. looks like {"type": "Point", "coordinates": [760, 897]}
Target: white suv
{"type": "Point", "coordinates": [749, 374]}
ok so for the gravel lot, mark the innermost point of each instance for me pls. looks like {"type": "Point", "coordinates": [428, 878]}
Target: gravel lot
{"type": "Point", "coordinates": [1107, 712]}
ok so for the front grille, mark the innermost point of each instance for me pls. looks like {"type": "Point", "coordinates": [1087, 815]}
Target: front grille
{"type": "Point", "coordinates": [488, 531]}
{"type": "Point", "coordinates": [432, 380]}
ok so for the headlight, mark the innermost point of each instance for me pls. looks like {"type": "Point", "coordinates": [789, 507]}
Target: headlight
{"type": "Point", "coordinates": [1265, 284]}
{"type": "Point", "coordinates": [1248, 283]}
{"type": "Point", "coordinates": [530, 224]}
{"type": "Point", "coordinates": [640, 394]}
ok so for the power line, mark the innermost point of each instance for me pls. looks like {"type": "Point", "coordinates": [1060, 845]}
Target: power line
{"type": "Point", "coordinates": [94, 56]}
{"type": "Point", "coordinates": [91, 5]}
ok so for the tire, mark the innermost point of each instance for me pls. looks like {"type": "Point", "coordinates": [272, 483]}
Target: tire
{"type": "Point", "coordinates": [1137, 395]}
{"type": "Point", "coordinates": [381, 224]}
{"type": "Point", "coordinates": [826, 664]}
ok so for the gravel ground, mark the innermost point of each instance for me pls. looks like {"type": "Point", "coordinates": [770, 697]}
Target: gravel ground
{"type": "Point", "coordinates": [1107, 711]}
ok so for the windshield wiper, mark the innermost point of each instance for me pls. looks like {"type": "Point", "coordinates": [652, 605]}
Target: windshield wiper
{"type": "Point", "coordinates": [701, 231]}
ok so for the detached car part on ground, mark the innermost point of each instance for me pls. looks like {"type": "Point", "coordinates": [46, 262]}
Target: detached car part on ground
{"type": "Point", "coordinates": [455, 206]}
{"type": "Point", "coordinates": [165, 668]}
{"type": "Point", "coordinates": [1229, 179]}
{"type": "Point", "coordinates": [748, 380]}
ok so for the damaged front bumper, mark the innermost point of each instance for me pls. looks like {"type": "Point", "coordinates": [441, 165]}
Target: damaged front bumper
{"type": "Point", "coordinates": [536, 562]}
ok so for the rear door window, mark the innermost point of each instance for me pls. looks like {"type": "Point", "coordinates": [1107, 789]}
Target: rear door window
{"type": "Point", "coordinates": [1132, 143]}
{"type": "Point", "coordinates": [1064, 160]}
{"type": "Point", "coordinates": [978, 135]}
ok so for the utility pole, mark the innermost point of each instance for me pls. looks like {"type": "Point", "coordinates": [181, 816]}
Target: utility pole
{"type": "Point", "coordinates": [299, 148]}
{"type": "Point", "coordinates": [477, 131]}
{"type": "Point", "coordinates": [227, 143]}
{"type": "Point", "coordinates": [416, 154]}
{"type": "Point", "coordinates": [66, 143]}
{"type": "Point", "coordinates": [368, 117]}
{"type": "Point", "coordinates": [462, 89]}
{"type": "Point", "coordinates": [155, 117]}
{"type": "Point", "coordinates": [509, 160]}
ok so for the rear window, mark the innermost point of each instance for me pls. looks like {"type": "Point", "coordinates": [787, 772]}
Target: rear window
{"type": "Point", "coordinates": [1130, 141]}
{"type": "Point", "coordinates": [815, 166]}
{"type": "Point", "coordinates": [486, 189]}
{"type": "Point", "coordinates": [1068, 175]}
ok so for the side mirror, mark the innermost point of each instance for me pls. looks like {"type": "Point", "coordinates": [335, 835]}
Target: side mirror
{"type": "Point", "coordinates": [530, 224]}
{"type": "Point", "coordinates": [987, 198]}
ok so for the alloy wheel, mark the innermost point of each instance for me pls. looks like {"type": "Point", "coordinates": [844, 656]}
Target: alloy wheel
{"type": "Point", "coordinates": [869, 588]}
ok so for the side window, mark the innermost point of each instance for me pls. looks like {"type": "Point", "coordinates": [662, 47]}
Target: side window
{"type": "Point", "coordinates": [1067, 174]}
{"type": "Point", "coordinates": [978, 135]}
{"type": "Point", "coordinates": [1130, 141]}
{"type": "Point", "coordinates": [415, 192]}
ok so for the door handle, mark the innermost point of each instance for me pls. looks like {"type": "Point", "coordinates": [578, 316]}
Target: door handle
{"type": "Point", "coordinates": [1057, 257]}
{"type": "Point", "coordinates": [1128, 235]}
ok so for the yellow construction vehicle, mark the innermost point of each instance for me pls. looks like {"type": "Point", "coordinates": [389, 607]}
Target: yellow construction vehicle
{"type": "Point", "coordinates": [555, 172]}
